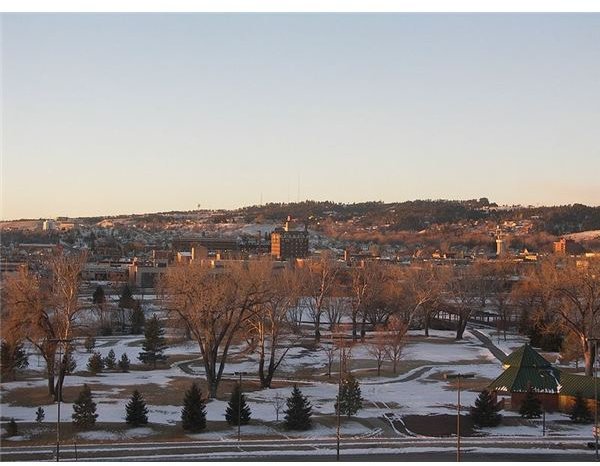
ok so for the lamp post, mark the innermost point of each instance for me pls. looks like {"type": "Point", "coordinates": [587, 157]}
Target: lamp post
{"type": "Point", "coordinates": [337, 409]}
{"type": "Point", "coordinates": [239, 414]}
{"type": "Point", "coordinates": [596, 364]}
{"type": "Point", "coordinates": [458, 377]}
{"type": "Point", "coordinates": [59, 342]}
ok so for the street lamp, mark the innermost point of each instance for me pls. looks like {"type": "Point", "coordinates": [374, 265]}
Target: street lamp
{"type": "Point", "coordinates": [60, 341]}
{"type": "Point", "coordinates": [458, 377]}
{"type": "Point", "coordinates": [339, 401]}
{"type": "Point", "coordinates": [239, 414]}
{"type": "Point", "coordinates": [596, 364]}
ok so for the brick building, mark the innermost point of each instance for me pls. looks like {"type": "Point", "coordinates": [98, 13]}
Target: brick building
{"type": "Point", "coordinates": [289, 244]}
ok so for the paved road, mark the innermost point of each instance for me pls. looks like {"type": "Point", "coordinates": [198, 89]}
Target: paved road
{"type": "Point", "coordinates": [380, 449]}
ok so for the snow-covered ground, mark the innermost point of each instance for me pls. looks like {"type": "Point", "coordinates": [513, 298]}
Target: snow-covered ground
{"type": "Point", "coordinates": [420, 391]}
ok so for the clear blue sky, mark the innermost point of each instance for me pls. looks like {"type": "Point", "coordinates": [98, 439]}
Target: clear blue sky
{"type": "Point", "coordinates": [107, 114]}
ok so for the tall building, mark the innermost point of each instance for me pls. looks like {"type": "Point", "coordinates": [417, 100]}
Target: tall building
{"type": "Point", "coordinates": [289, 244]}
{"type": "Point", "coordinates": [501, 249]}
{"type": "Point", "coordinates": [567, 246]}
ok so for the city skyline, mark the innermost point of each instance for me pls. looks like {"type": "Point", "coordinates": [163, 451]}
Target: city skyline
{"type": "Point", "coordinates": [133, 113]}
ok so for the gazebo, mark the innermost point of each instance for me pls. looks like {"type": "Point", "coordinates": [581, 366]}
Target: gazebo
{"type": "Point", "coordinates": [556, 389]}
{"type": "Point", "coordinates": [523, 368]}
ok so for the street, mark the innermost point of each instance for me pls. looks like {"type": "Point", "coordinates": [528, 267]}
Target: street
{"type": "Point", "coordinates": [374, 449]}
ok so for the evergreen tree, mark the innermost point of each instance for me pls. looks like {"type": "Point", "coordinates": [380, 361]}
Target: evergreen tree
{"type": "Point", "coordinates": [110, 361]}
{"type": "Point", "coordinates": [137, 319]}
{"type": "Point", "coordinates": [11, 428]}
{"type": "Point", "coordinates": [298, 412]}
{"type": "Point", "coordinates": [531, 406]}
{"type": "Point", "coordinates": [126, 300]}
{"type": "Point", "coordinates": [350, 396]}
{"type": "Point", "coordinates": [136, 410]}
{"type": "Point", "coordinates": [193, 414]}
{"type": "Point", "coordinates": [89, 344]}
{"type": "Point", "coordinates": [238, 411]}
{"type": "Point", "coordinates": [40, 415]}
{"type": "Point", "coordinates": [12, 357]}
{"type": "Point", "coordinates": [485, 413]}
{"type": "Point", "coordinates": [124, 363]}
{"type": "Point", "coordinates": [84, 409]}
{"type": "Point", "coordinates": [95, 363]}
{"type": "Point", "coordinates": [580, 412]}
{"type": "Point", "coordinates": [69, 362]}
{"type": "Point", "coordinates": [154, 343]}
{"type": "Point", "coordinates": [98, 296]}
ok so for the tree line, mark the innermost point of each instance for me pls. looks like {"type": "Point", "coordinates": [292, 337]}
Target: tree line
{"type": "Point", "coordinates": [268, 309]}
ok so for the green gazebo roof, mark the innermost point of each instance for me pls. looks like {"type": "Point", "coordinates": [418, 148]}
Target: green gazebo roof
{"type": "Point", "coordinates": [573, 384]}
{"type": "Point", "coordinates": [525, 367]}
{"type": "Point", "coordinates": [526, 356]}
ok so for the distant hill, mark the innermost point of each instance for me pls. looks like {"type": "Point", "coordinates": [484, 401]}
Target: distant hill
{"type": "Point", "coordinates": [414, 215]}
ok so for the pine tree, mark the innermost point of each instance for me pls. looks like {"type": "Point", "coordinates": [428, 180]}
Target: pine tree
{"type": "Point", "coordinates": [136, 410]}
{"type": "Point", "coordinates": [350, 396]}
{"type": "Point", "coordinates": [98, 296]}
{"type": "Point", "coordinates": [89, 344]}
{"type": "Point", "coordinates": [12, 357]}
{"type": "Point", "coordinates": [580, 412]}
{"type": "Point", "coordinates": [137, 319]}
{"type": "Point", "coordinates": [154, 343]}
{"type": "Point", "coordinates": [69, 362]}
{"type": "Point", "coordinates": [84, 409]}
{"type": "Point", "coordinates": [11, 428]}
{"type": "Point", "coordinates": [126, 299]}
{"type": "Point", "coordinates": [238, 411]}
{"type": "Point", "coordinates": [531, 406]}
{"type": "Point", "coordinates": [298, 412]}
{"type": "Point", "coordinates": [40, 415]}
{"type": "Point", "coordinates": [110, 361]}
{"type": "Point", "coordinates": [124, 363]}
{"type": "Point", "coordinates": [193, 414]}
{"type": "Point", "coordinates": [95, 363]}
{"type": "Point", "coordinates": [485, 413]}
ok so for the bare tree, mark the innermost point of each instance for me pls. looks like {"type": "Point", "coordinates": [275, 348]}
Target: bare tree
{"type": "Point", "coordinates": [270, 323]}
{"type": "Point", "coordinates": [330, 350]}
{"type": "Point", "coordinates": [278, 403]}
{"type": "Point", "coordinates": [319, 280]}
{"type": "Point", "coordinates": [502, 280]}
{"type": "Point", "coordinates": [395, 340]}
{"type": "Point", "coordinates": [367, 284]}
{"type": "Point", "coordinates": [44, 312]}
{"type": "Point", "coordinates": [463, 296]}
{"type": "Point", "coordinates": [377, 347]}
{"type": "Point", "coordinates": [214, 303]}
{"type": "Point", "coordinates": [424, 286]}
{"type": "Point", "coordinates": [577, 288]}
{"type": "Point", "coordinates": [335, 309]}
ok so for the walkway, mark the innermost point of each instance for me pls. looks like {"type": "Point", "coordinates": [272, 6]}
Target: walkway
{"type": "Point", "coordinates": [487, 342]}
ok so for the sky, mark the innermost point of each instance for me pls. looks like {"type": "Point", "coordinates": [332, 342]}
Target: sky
{"type": "Point", "coordinates": [106, 114]}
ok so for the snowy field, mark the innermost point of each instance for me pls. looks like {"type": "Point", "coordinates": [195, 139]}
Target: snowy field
{"type": "Point", "coordinates": [419, 389]}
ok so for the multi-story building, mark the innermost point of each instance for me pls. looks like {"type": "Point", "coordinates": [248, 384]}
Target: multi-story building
{"type": "Point", "coordinates": [567, 246]}
{"type": "Point", "coordinates": [289, 244]}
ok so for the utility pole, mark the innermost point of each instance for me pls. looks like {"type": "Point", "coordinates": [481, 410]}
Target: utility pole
{"type": "Point", "coordinates": [596, 364]}
{"type": "Point", "coordinates": [337, 409]}
{"type": "Point", "coordinates": [458, 377]}
{"type": "Point", "coordinates": [59, 342]}
{"type": "Point", "coordinates": [239, 413]}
